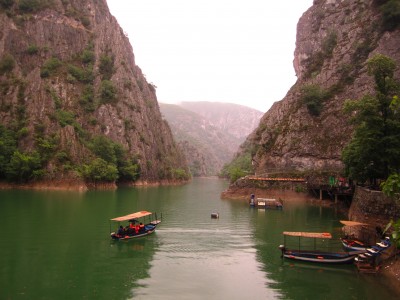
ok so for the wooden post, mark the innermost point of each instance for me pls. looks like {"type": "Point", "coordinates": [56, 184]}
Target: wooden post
{"type": "Point", "coordinates": [320, 194]}
{"type": "Point", "coordinates": [335, 198]}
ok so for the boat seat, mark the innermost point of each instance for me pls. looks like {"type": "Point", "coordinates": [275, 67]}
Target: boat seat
{"type": "Point", "coordinates": [368, 254]}
{"type": "Point", "coordinates": [373, 251]}
{"type": "Point", "coordinates": [382, 245]}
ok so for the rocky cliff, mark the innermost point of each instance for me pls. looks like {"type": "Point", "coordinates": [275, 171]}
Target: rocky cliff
{"type": "Point", "coordinates": [234, 119]}
{"type": "Point", "coordinates": [335, 38]}
{"type": "Point", "coordinates": [68, 75]}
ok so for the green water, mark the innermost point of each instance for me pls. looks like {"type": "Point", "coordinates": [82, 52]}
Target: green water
{"type": "Point", "coordinates": [56, 245]}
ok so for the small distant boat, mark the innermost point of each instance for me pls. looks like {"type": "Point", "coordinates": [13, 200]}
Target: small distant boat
{"type": "Point", "coordinates": [137, 225]}
{"type": "Point", "coordinates": [215, 215]}
{"type": "Point", "coordinates": [268, 203]}
{"type": "Point", "coordinates": [316, 256]}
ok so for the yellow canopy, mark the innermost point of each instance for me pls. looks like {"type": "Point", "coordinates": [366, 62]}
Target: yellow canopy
{"type": "Point", "coordinates": [319, 235]}
{"type": "Point", "coordinates": [353, 223]}
{"type": "Point", "coordinates": [135, 215]}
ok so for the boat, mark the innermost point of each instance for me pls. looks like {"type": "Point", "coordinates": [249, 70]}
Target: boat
{"type": "Point", "coordinates": [266, 203]}
{"type": "Point", "coordinates": [349, 242]}
{"type": "Point", "coordinates": [371, 261]}
{"type": "Point", "coordinates": [137, 225]}
{"type": "Point", "coordinates": [353, 244]}
{"type": "Point", "coordinates": [315, 255]}
{"type": "Point", "coordinates": [215, 215]}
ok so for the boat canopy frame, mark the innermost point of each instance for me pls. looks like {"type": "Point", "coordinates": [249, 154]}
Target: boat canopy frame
{"type": "Point", "coordinates": [136, 215]}
{"type": "Point", "coordinates": [318, 235]}
{"type": "Point", "coordinates": [301, 234]}
{"type": "Point", "coordinates": [353, 223]}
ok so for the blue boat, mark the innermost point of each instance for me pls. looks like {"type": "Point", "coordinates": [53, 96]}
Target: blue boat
{"type": "Point", "coordinates": [316, 256]}
{"type": "Point", "coordinates": [137, 225]}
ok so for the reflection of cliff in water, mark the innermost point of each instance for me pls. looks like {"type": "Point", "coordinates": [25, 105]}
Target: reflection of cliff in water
{"type": "Point", "coordinates": [131, 262]}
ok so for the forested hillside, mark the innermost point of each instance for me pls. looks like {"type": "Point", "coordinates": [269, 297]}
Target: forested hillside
{"type": "Point", "coordinates": [74, 105]}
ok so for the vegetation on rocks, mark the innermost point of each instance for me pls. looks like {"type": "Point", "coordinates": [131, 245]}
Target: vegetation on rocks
{"type": "Point", "coordinates": [64, 114]}
{"type": "Point", "coordinates": [374, 151]}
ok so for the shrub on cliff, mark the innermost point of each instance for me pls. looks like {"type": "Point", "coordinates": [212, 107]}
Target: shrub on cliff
{"type": "Point", "coordinates": [30, 6]}
{"type": "Point", "coordinates": [391, 15]}
{"type": "Point", "coordinates": [6, 3]}
{"type": "Point", "coordinates": [100, 170]}
{"type": "Point", "coordinates": [8, 144]}
{"type": "Point", "coordinates": [107, 92]}
{"type": "Point", "coordinates": [7, 64]}
{"type": "Point", "coordinates": [49, 67]}
{"type": "Point", "coordinates": [374, 151]}
{"type": "Point", "coordinates": [313, 97]}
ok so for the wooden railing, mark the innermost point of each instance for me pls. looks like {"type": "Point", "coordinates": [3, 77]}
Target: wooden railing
{"type": "Point", "coordinates": [275, 178]}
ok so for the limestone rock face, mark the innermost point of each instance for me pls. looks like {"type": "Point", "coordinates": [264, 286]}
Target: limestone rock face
{"type": "Point", "coordinates": [335, 38]}
{"type": "Point", "coordinates": [74, 77]}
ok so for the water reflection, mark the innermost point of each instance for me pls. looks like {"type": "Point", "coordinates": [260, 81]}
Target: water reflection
{"type": "Point", "coordinates": [56, 245]}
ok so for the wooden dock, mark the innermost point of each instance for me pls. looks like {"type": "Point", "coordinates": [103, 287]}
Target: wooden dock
{"type": "Point", "coordinates": [334, 192]}
{"type": "Point", "coordinates": [275, 179]}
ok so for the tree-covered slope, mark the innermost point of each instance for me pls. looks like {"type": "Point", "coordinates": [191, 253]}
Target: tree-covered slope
{"type": "Point", "coordinates": [74, 101]}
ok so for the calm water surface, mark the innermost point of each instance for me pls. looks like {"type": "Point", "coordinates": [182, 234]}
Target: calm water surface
{"type": "Point", "coordinates": [56, 245]}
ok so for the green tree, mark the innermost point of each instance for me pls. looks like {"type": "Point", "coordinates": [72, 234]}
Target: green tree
{"type": "Point", "coordinates": [8, 145]}
{"type": "Point", "coordinates": [114, 154]}
{"type": "Point", "coordinates": [100, 170]}
{"type": "Point", "coordinates": [104, 148]}
{"type": "Point", "coordinates": [391, 186]}
{"type": "Point", "coordinates": [238, 167]}
{"type": "Point", "coordinates": [391, 15]}
{"type": "Point", "coordinates": [374, 150]}
{"type": "Point", "coordinates": [23, 166]}
{"type": "Point", "coordinates": [129, 169]}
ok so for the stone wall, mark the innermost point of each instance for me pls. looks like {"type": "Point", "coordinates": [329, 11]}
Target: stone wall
{"type": "Point", "coordinates": [374, 207]}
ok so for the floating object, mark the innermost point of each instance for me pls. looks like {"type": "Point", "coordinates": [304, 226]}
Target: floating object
{"type": "Point", "coordinates": [266, 203]}
{"type": "Point", "coordinates": [214, 215]}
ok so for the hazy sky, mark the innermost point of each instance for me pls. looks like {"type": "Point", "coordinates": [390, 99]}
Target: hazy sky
{"type": "Point", "coordinates": [237, 51]}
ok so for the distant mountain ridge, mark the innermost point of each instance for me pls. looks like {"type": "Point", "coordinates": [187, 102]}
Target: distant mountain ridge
{"type": "Point", "coordinates": [239, 120]}
{"type": "Point", "coordinates": [209, 133]}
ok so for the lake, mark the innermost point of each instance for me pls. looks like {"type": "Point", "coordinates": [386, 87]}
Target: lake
{"type": "Point", "coordinates": [56, 245]}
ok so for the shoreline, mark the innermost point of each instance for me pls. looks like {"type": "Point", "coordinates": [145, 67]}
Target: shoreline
{"type": "Point", "coordinates": [390, 268]}
{"type": "Point", "coordinates": [82, 186]}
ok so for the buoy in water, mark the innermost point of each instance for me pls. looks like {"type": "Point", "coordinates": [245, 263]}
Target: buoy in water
{"type": "Point", "coordinates": [214, 215]}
